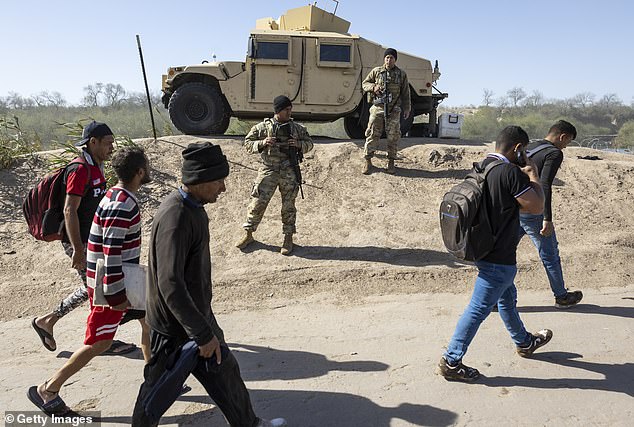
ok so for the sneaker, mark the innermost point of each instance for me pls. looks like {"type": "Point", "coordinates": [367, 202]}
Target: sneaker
{"type": "Point", "coordinates": [539, 339]}
{"type": "Point", "coordinates": [275, 422]}
{"type": "Point", "coordinates": [568, 300]}
{"type": "Point", "coordinates": [458, 372]}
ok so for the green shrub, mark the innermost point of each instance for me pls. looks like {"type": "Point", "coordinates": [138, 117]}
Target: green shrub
{"type": "Point", "coordinates": [625, 138]}
{"type": "Point", "coordinates": [14, 142]}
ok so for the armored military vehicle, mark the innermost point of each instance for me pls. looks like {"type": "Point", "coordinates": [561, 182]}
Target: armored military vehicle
{"type": "Point", "coordinates": [308, 55]}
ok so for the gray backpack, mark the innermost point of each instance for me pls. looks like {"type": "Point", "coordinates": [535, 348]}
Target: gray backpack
{"type": "Point", "coordinates": [464, 219]}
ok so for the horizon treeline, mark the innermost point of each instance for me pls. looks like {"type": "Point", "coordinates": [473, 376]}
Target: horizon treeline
{"type": "Point", "coordinates": [43, 114]}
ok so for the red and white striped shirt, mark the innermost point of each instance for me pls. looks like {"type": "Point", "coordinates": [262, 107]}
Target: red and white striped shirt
{"type": "Point", "coordinates": [115, 237]}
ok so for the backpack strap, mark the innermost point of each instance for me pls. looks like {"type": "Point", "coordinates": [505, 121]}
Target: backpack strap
{"type": "Point", "coordinates": [531, 153]}
{"type": "Point", "coordinates": [491, 165]}
{"type": "Point", "coordinates": [483, 172]}
{"type": "Point", "coordinates": [80, 160]}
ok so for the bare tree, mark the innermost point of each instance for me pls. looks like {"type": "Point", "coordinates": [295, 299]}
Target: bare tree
{"type": "Point", "coordinates": [39, 100]}
{"type": "Point", "coordinates": [56, 99]}
{"type": "Point", "coordinates": [535, 99]}
{"type": "Point", "coordinates": [487, 97]}
{"type": "Point", "coordinates": [18, 102]}
{"type": "Point", "coordinates": [92, 94]}
{"type": "Point", "coordinates": [516, 95]}
{"type": "Point", "coordinates": [610, 100]}
{"type": "Point", "coordinates": [114, 94]}
{"type": "Point", "coordinates": [584, 99]}
{"type": "Point", "coordinates": [53, 99]}
{"type": "Point", "coordinates": [502, 102]}
{"type": "Point", "coordinates": [140, 99]}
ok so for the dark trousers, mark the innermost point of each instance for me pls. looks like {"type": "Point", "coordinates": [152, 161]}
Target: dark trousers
{"type": "Point", "coordinates": [222, 382]}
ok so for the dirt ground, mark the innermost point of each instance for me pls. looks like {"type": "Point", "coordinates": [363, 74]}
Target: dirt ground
{"type": "Point", "coordinates": [357, 317]}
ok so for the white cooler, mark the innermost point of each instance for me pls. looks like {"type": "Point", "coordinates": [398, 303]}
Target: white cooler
{"type": "Point", "coordinates": [449, 125]}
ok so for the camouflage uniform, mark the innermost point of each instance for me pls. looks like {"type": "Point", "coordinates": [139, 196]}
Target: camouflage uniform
{"type": "Point", "coordinates": [398, 87]}
{"type": "Point", "coordinates": [275, 172]}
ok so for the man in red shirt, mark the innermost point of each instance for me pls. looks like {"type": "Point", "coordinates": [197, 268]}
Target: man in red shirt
{"type": "Point", "coordinates": [85, 186]}
{"type": "Point", "coordinates": [115, 238]}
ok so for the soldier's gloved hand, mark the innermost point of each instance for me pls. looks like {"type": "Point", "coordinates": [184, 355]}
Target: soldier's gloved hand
{"type": "Point", "coordinates": [406, 115]}
{"type": "Point", "coordinates": [292, 142]}
{"type": "Point", "coordinates": [269, 140]}
{"type": "Point", "coordinates": [377, 89]}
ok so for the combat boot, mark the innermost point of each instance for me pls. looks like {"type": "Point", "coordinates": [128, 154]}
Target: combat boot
{"type": "Point", "coordinates": [246, 240]}
{"type": "Point", "coordinates": [367, 168]}
{"type": "Point", "coordinates": [287, 247]}
{"type": "Point", "coordinates": [391, 169]}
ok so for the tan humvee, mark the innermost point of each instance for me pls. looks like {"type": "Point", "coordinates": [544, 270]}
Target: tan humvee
{"type": "Point", "coordinates": [307, 55]}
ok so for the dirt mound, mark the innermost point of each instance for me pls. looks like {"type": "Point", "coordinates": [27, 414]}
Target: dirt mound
{"type": "Point", "coordinates": [357, 235]}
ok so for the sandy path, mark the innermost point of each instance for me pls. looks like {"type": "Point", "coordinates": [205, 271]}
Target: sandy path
{"type": "Point", "coordinates": [373, 364]}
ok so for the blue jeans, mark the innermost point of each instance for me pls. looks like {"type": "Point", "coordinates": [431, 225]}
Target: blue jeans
{"type": "Point", "coordinates": [494, 285]}
{"type": "Point", "coordinates": [548, 249]}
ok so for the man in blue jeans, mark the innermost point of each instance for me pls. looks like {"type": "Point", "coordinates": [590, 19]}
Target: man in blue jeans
{"type": "Point", "coordinates": [547, 155]}
{"type": "Point", "coordinates": [510, 186]}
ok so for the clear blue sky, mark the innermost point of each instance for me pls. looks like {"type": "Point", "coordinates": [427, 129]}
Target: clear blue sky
{"type": "Point", "coordinates": [560, 48]}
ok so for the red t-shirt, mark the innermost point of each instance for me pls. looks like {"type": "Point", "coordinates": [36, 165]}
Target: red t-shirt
{"type": "Point", "coordinates": [77, 184]}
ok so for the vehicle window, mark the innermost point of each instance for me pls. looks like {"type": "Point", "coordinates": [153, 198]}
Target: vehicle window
{"type": "Point", "coordinates": [334, 53]}
{"type": "Point", "coordinates": [272, 50]}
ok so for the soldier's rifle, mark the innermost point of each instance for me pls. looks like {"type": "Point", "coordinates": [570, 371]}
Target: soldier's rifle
{"type": "Point", "coordinates": [295, 154]}
{"type": "Point", "coordinates": [386, 99]}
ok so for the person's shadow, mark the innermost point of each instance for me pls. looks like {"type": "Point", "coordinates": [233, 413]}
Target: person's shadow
{"type": "Point", "coordinates": [411, 257]}
{"type": "Point", "coordinates": [264, 363]}
{"type": "Point", "coordinates": [326, 409]}
{"type": "Point", "coordinates": [305, 408]}
{"type": "Point", "coordinates": [311, 409]}
{"type": "Point", "coordinates": [617, 378]}
{"type": "Point", "coordinates": [627, 312]}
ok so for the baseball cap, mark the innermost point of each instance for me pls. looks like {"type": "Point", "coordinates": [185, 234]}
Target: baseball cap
{"type": "Point", "coordinates": [93, 129]}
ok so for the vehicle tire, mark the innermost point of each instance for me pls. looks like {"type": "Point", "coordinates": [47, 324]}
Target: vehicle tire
{"type": "Point", "coordinates": [355, 127]}
{"type": "Point", "coordinates": [419, 130]}
{"type": "Point", "coordinates": [198, 109]}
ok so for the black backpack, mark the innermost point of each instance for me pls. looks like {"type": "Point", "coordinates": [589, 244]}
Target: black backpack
{"type": "Point", "coordinates": [464, 219]}
{"type": "Point", "coordinates": [537, 149]}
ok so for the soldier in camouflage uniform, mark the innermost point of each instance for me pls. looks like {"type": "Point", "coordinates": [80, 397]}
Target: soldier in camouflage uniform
{"type": "Point", "coordinates": [398, 99]}
{"type": "Point", "coordinates": [272, 139]}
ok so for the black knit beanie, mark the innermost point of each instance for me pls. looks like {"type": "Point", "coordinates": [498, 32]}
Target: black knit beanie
{"type": "Point", "coordinates": [280, 103]}
{"type": "Point", "coordinates": [203, 163]}
{"type": "Point", "coordinates": [390, 51]}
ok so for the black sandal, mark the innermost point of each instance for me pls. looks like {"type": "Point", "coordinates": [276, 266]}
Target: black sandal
{"type": "Point", "coordinates": [55, 406]}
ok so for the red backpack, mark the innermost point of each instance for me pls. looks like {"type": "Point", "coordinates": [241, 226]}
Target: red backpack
{"type": "Point", "coordinates": [43, 206]}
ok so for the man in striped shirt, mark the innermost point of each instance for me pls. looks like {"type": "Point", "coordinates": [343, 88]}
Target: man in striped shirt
{"type": "Point", "coordinates": [115, 237]}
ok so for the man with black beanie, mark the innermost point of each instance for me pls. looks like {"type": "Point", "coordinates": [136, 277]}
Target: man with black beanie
{"type": "Point", "coordinates": [275, 140]}
{"type": "Point", "coordinates": [179, 291]}
{"type": "Point", "coordinates": [397, 99]}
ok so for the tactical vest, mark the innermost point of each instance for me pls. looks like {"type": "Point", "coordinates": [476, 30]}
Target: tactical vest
{"type": "Point", "coordinates": [394, 82]}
